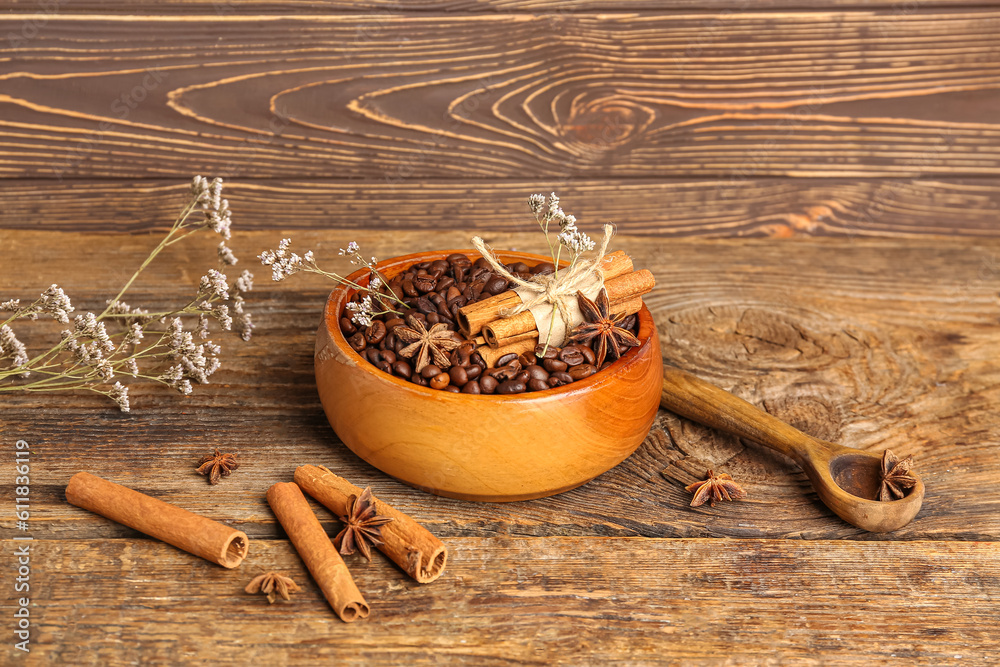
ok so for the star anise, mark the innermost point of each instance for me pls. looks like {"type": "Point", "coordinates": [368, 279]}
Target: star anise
{"type": "Point", "coordinates": [272, 584]}
{"type": "Point", "coordinates": [895, 476]}
{"type": "Point", "coordinates": [427, 344]}
{"type": "Point", "coordinates": [217, 465]}
{"type": "Point", "coordinates": [612, 340]}
{"type": "Point", "coordinates": [362, 526]}
{"type": "Point", "coordinates": [715, 488]}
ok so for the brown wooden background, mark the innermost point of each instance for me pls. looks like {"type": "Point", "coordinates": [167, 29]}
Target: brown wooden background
{"type": "Point", "coordinates": [814, 185]}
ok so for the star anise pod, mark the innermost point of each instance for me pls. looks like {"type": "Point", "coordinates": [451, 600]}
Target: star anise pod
{"type": "Point", "coordinates": [715, 488]}
{"type": "Point", "coordinates": [272, 584]}
{"type": "Point", "coordinates": [612, 340]}
{"type": "Point", "coordinates": [895, 476]}
{"type": "Point", "coordinates": [362, 526]}
{"type": "Point", "coordinates": [427, 344]}
{"type": "Point", "coordinates": [217, 465]}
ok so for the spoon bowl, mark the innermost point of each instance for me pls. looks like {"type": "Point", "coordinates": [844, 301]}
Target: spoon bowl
{"type": "Point", "coordinates": [847, 480]}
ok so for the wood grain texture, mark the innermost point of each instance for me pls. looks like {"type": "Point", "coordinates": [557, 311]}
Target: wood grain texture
{"type": "Point", "coordinates": [504, 600]}
{"type": "Point", "coordinates": [892, 8]}
{"type": "Point", "coordinates": [870, 343]}
{"type": "Point", "coordinates": [395, 97]}
{"type": "Point", "coordinates": [720, 208]}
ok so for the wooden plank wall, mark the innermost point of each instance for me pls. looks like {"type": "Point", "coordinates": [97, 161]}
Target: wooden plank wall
{"type": "Point", "coordinates": [775, 119]}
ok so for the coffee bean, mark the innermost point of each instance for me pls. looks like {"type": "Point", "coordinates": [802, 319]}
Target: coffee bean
{"type": "Point", "coordinates": [478, 360]}
{"type": "Point", "coordinates": [425, 284]}
{"type": "Point", "coordinates": [582, 371]}
{"type": "Point", "coordinates": [496, 285]}
{"type": "Point", "coordinates": [459, 272]}
{"type": "Point", "coordinates": [347, 327]}
{"type": "Point", "coordinates": [519, 267]}
{"type": "Point", "coordinates": [506, 359]}
{"type": "Point", "coordinates": [458, 258]}
{"type": "Point", "coordinates": [357, 341]}
{"type": "Point", "coordinates": [418, 379]}
{"type": "Point", "coordinates": [439, 381]}
{"type": "Point", "coordinates": [511, 387]}
{"type": "Point", "coordinates": [443, 310]}
{"type": "Point", "coordinates": [543, 268]}
{"type": "Point", "coordinates": [488, 384]}
{"type": "Point", "coordinates": [561, 378]}
{"type": "Point", "coordinates": [439, 265]}
{"type": "Point", "coordinates": [537, 385]}
{"type": "Point", "coordinates": [435, 298]}
{"type": "Point", "coordinates": [429, 371]}
{"type": "Point", "coordinates": [628, 323]}
{"type": "Point", "coordinates": [453, 389]}
{"type": "Point", "coordinates": [394, 322]}
{"type": "Point", "coordinates": [408, 288]}
{"type": "Point", "coordinates": [522, 377]}
{"type": "Point", "coordinates": [445, 284]}
{"type": "Point", "coordinates": [472, 371]}
{"type": "Point", "coordinates": [425, 306]}
{"type": "Point", "coordinates": [373, 355]}
{"type": "Point", "coordinates": [388, 355]}
{"type": "Point", "coordinates": [527, 359]}
{"type": "Point", "coordinates": [402, 369]}
{"type": "Point", "coordinates": [588, 354]}
{"type": "Point", "coordinates": [458, 376]}
{"type": "Point", "coordinates": [471, 387]}
{"type": "Point", "coordinates": [481, 263]}
{"type": "Point", "coordinates": [553, 365]}
{"type": "Point", "coordinates": [546, 352]}
{"type": "Point", "coordinates": [375, 332]}
{"type": "Point", "coordinates": [384, 366]}
{"type": "Point", "coordinates": [536, 372]}
{"type": "Point", "coordinates": [453, 294]}
{"type": "Point", "coordinates": [433, 318]}
{"type": "Point", "coordinates": [571, 355]}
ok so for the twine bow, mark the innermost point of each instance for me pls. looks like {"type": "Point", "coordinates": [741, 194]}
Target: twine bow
{"type": "Point", "coordinates": [556, 289]}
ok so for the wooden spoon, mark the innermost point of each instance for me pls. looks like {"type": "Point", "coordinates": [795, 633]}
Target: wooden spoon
{"type": "Point", "coordinates": [845, 479]}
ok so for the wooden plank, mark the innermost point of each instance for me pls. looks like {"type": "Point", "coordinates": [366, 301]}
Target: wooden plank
{"type": "Point", "coordinates": [395, 97]}
{"type": "Point", "coordinates": [529, 601]}
{"type": "Point", "coordinates": [892, 8]}
{"type": "Point", "coordinates": [719, 208]}
{"type": "Point", "coordinates": [874, 343]}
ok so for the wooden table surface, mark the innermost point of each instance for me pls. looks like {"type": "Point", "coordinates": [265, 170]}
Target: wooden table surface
{"type": "Point", "coordinates": [815, 191]}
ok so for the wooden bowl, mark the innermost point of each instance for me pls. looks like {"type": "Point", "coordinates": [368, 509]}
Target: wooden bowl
{"type": "Point", "coordinates": [488, 447]}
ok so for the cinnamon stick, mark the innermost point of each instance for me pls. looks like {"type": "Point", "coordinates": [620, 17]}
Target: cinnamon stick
{"type": "Point", "coordinates": [472, 318]}
{"type": "Point", "coordinates": [168, 523]}
{"type": "Point", "coordinates": [317, 551]}
{"type": "Point", "coordinates": [411, 546]}
{"type": "Point", "coordinates": [623, 288]}
{"type": "Point", "coordinates": [620, 309]}
{"type": "Point", "coordinates": [517, 345]}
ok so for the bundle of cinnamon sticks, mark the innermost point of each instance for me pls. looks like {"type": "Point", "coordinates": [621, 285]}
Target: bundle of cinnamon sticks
{"type": "Point", "coordinates": [485, 320]}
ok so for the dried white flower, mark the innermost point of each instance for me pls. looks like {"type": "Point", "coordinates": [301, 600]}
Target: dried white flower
{"type": "Point", "coordinates": [363, 312]}
{"type": "Point", "coordinates": [309, 257]}
{"type": "Point", "coordinates": [226, 255]}
{"type": "Point", "coordinates": [55, 302]}
{"type": "Point", "coordinates": [12, 348]}
{"type": "Point", "coordinates": [11, 305]}
{"type": "Point", "coordinates": [131, 367]}
{"type": "Point", "coordinates": [203, 326]}
{"type": "Point", "coordinates": [536, 203]}
{"type": "Point", "coordinates": [214, 284]}
{"type": "Point", "coordinates": [119, 394]}
{"type": "Point", "coordinates": [352, 249]}
{"type": "Point", "coordinates": [221, 314]}
{"type": "Point", "coordinates": [575, 240]}
{"type": "Point", "coordinates": [282, 263]}
{"type": "Point", "coordinates": [244, 326]}
{"type": "Point", "coordinates": [244, 283]}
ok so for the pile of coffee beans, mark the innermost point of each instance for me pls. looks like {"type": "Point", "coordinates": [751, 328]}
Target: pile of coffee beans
{"type": "Point", "coordinates": [433, 293]}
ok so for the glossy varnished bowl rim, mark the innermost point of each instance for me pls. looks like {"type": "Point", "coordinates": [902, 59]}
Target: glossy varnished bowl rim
{"type": "Point", "coordinates": [341, 293]}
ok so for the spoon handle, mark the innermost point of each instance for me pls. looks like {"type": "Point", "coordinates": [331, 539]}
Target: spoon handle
{"type": "Point", "coordinates": [712, 406]}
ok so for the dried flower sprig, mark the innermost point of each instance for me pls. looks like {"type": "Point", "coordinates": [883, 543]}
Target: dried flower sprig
{"type": "Point", "coordinates": [98, 348]}
{"type": "Point", "coordinates": [378, 299]}
{"type": "Point", "coordinates": [549, 211]}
